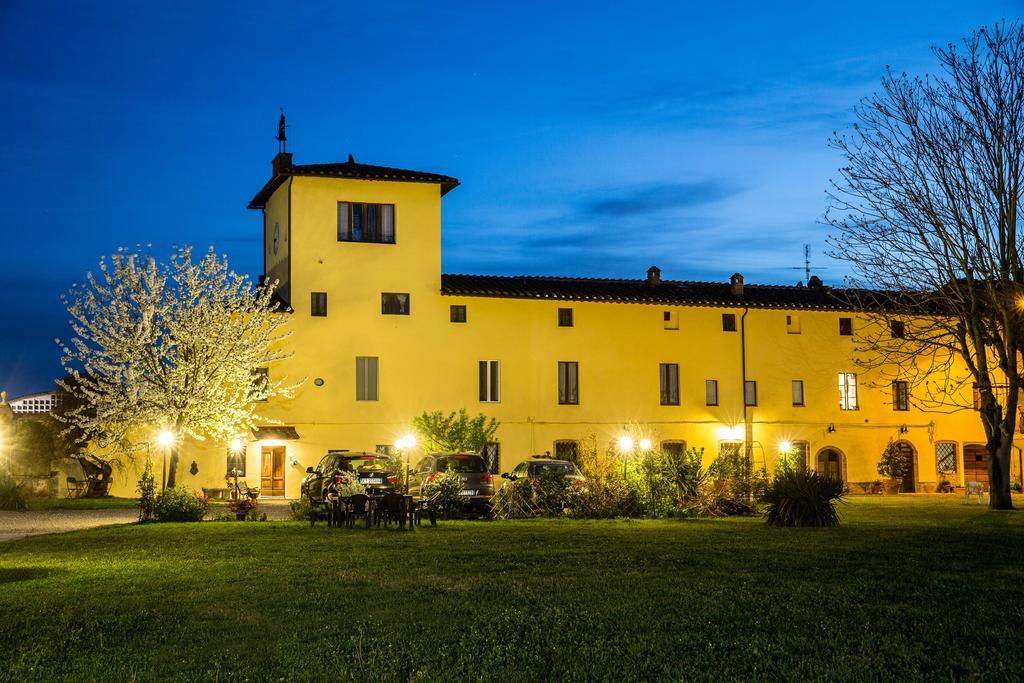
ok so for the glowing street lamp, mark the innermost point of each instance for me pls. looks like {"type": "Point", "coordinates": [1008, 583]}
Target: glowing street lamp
{"type": "Point", "coordinates": [625, 447]}
{"type": "Point", "coordinates": [645, 444]}
{"type": "Point", "coordinates": [406, 444]}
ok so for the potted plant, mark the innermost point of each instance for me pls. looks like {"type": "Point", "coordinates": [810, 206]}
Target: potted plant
{"type": "Point", "coordinates": [944, 486]}
{"type": "Point", "coordinates": [894, 465]}
{"type": "Point", "coordinates": [244, 503]}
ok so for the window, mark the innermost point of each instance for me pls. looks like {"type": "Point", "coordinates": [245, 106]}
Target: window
{"type": "Point", "coordinates": [800, 451]}
{"type": "Point", "coordinates": [846, 327]}
{"type": "Point", "coordinates": [366, 378]}
{"type": "Point", "coordinates": [565, 317]}
{"type": "Point", "coordinates": [945, 457]}
{"type": "Point", "coordinates": [729, 449]}
{"type": "Point", "coordinates": [798, 392]}
{"type": "Point", "coordinates": [567, 449]}
{"type": "Point", "coordinates": [384, 448]}
{"type": "Point", "coordinates": [358, 222]}
{"type": "Point", "coordinates": [260, 388]}
{"type": "Point", "coordinates": [488, 381]}
{"type": "Point", "coordinates": [669, 384]}
{"type": "Point", "coordinates": [711, 392]}
{"type": "Point", "coordinates": [728, 322]}
{"type": "Point", "coordinates": [458, 314]}
{"type": "Point", "coordinates": [671, 319]}
{"type": "Point", "coordinates": [848, 391]}
{"type": "Point", "coordinates": [318, 303]}
{"type": "Point", "coordinates": [393, 303]}
{"type": "Point", "coordinates": [568, 382]}
{"type": "Point", "coordinates": [673, 449]}
{"type": "Point", "coordinates": [792, 324]}
{"type": "Point", "coordinates": [749, 393]}
{"type": "Point", "coordinates": [900, 395]}
{"type": "Point", "coordinates": [236, 463]}
{"type": "Point", "coordinates": [492, 457]}
{"type": "Point", "coordinates": [897, 328]}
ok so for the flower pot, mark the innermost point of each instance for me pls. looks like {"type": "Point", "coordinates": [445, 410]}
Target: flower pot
{"type": "Point", "coordinates": [892, 486]}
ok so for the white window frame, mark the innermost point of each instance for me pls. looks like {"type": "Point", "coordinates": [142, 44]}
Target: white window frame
{"type": "Point", "coordinates": [848, 391]}
{"type": "Point", "coordinates": [489, 382]}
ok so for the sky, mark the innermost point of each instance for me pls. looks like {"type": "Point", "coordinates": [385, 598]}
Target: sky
{"type": "Point", "coordinates": [591, 139]}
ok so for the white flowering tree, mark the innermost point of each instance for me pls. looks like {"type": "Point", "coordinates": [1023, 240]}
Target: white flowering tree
{"type": "Point", "coordinates": [174, 345]}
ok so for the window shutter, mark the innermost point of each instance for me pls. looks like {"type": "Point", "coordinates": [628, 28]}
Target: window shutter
{"type": "Point", "coordinates": [344, 223]}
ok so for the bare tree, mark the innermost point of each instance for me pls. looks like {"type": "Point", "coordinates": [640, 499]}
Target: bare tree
{"type": "Point", "coordinates": [925, 211]}
{"type": "Point", "coordinates": [175, 346]}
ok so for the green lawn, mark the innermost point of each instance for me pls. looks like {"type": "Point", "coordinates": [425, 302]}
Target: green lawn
{"type": "Point", "coordinates": [108, 503]}
{"type": "Point", "coordinates": [908, 588]}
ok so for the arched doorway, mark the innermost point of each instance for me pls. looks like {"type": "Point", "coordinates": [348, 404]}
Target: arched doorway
{"type": "Point", "coordinates": [909, 483]}
{"type": "Point", "coordinates": [830, 463]}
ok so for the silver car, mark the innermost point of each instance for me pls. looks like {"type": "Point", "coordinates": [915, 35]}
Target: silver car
{"type": "Point", "coordinates": [477, 481]}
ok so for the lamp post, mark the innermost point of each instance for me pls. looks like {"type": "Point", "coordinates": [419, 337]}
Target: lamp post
{"type": "Point", "coordinates": [165, 439]}
{"type": "Point", "coordinates": [785, 447]}
{"type": "Point", "coordinates": [237, 446]}
{"type": "Point", "coordinates": [404, 444]}
{"type": "Point", "coordinates": [625, 446]}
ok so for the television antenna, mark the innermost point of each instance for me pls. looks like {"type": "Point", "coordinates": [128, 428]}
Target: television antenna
{"type": "Point", "coordinates": [807, 264]}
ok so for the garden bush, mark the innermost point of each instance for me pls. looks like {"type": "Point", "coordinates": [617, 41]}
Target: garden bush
{"type": "Point", "coordinates": [147, 493]}
{"type": "Point", "coordinates": [180, 504]}
{"type": "Point", "coordinates": [445, 490]}
{"type": "Point", "coordinates": [301, 509]}
{"type": "Point", "coordinates": [10, 494]}
{"type": "Point", "coordinates": [514, 500]}
{"type": "Point", "coordinates": [803, 498]}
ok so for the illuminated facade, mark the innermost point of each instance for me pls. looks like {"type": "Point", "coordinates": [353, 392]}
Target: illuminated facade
{"type": "Point", "coordinates": [381, 335]}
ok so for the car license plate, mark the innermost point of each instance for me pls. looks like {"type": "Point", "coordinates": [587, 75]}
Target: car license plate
{"type": "Point", "coordinates": [467, 492]}
{"type": "Point", "coordinates": [371, 480]}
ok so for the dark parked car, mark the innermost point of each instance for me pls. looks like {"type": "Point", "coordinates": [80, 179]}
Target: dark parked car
{"type": "Point", "coordinates": [477, 482]}
{"type": "Point", "coordinates": [370, 469]}
{"type": "Point", "coordinates": [532, 469]}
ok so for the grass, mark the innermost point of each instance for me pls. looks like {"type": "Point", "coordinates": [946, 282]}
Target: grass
{"type": "Point", "coordinates": [108, 503]}
{"type": "Point", "coordinates": [908, 587]}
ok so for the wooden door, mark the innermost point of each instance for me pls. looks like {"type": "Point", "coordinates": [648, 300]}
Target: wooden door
{"type": "Point", "coordinates": [908, 484]}
{"type": "Point", "coordinates": [272, 471]}
{"type": "Point", "coordinates": [975, 464]}
{"type": "Point", "coordinates": [830, 464]}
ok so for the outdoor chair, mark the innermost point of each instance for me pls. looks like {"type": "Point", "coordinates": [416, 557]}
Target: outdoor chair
{"type": "Point", "coordinates": [391, 508]}
{"type": "Point", "coordinates": [358, 505]}
{"type": "Point", "coordinates": [419, 507]}
{"type": "Point", "coordinates": [974, 488]}
{"type": "Point", "coordinates": [75, 487]}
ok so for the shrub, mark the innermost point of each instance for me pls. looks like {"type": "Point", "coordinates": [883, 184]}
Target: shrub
{"type": "Point", "coordinates": [301, 509]}
{"type": "Point", "coordinates": [180, 504]}
{"type": "Point", "coordinates": [734, 476]}
{"type": "Point", "coordinates": [445, 490]}
{"type": "Point", "coordinates": [147, 493]}
{"type": "Point", "coordinates": [803, 498]}
{"type": "Point", "coordinates": [243, 507]}
{"type": "Point", "coordinates": [895, 463]}
{"type": "Point", "coordinates": [551, 494]}
{"type": "Point", "coordinates": [686, 473]}
{"type": "Point", "coordinates": [10, 494]}
{"type": "Point", "coordinates": [714, 502]}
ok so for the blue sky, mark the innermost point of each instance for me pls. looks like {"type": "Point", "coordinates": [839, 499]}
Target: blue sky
{"type": "Point", "coordinates": [591, 139]}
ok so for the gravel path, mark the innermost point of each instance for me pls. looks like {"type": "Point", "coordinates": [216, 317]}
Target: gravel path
{"type": "Point", "coordinates": [14, 525]}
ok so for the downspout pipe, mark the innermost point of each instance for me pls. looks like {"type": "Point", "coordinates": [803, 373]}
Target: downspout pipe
{"type": "Point", "coordinates": [748, 430]}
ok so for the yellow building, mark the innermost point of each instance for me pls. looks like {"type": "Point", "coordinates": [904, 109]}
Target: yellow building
{"type": "Point", "coordinates": [381, 335]}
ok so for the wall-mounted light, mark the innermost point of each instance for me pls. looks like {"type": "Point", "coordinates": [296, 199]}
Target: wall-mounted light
{"type": "Point", "coordinates": [904, 429]}
{"type": "Point", "coordinates": [319, 381]}
{"type": "Point", "coordinates": [831, 428]}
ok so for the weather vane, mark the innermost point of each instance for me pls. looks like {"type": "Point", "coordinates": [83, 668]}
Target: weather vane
{"type": "Point", "coordinates": [281, 138]}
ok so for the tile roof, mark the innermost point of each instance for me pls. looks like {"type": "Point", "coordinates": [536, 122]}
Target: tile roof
{"type": "Point", "coordinates": [671, 292]}
{"type": "Point", "coordinates": [351, 169]}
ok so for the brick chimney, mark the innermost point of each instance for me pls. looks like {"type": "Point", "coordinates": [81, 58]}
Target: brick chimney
{"type": "Point", "coordinates": [653, 276]}
{"type": "Point", "coordinates": [281, 163]}
{"type": "Point", "coordinates": [736, 284]}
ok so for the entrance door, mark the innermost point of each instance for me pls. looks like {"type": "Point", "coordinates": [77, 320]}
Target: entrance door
{"type": "Point", "coordinates": [906, 449]}
{"type": "Point", "coordinates": [976, 464]}
{"type": "Point", "coordinates": [272, 471]}
{"type": "Point", "coordinates": [830, 464]}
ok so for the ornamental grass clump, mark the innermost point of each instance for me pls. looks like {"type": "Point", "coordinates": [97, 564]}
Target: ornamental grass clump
{"type": "Point", "coordinates": [800, 497]}
{"type": "Point", "coordinates": [10, 494]}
